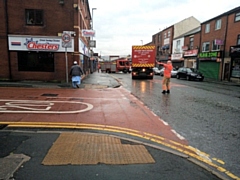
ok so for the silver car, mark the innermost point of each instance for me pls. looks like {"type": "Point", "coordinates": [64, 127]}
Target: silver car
{"type": "Point", "coordinates": [173, 72]}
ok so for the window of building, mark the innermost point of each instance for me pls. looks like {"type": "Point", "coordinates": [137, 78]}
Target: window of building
{"type": "Point", "coordinates": [169, 33]}
{"type": "Point", "coordinates": [36, 61]}
{"type": "Point", "coordinates": [191, 43]}
{"type": "Point", "coordinates": [178, 45]}
{"type": "Point", "coordinates": [238, 40]}
{"type": "Point", "coordinates": [34, 17]}
{"type": "Point", "coordinates": [205, 47]}
{"type": "Point", "coordinates": [218, 24]}
{"type": "Point", "coordinates": [165, 35]}
{"type": "Point", "coordinates": [215, 47]}
{"type": "Point", "coordinates": [159, 38]}
{"type": "Point", "coordinates": [207, 28]}
{"type": "Point", "coordinates": [237, 16]}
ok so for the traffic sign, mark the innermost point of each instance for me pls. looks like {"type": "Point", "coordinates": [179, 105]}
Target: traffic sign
{"type": "Point", "coordinates": [66, 37]}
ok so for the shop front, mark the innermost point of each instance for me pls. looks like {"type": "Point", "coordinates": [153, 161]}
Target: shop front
{"type": "Point", "coordinates": [84, 56]}
{"type": "Point", "coordinates": [210, 64]}
{"type": "Point", "coordinates": [235, 62]}
{"type": "Point", "coordinates": [40, 58]}
{"type": "Point", "coordinates": [190, 58]}
{"type": "Point", "coordinates": [177, 60]}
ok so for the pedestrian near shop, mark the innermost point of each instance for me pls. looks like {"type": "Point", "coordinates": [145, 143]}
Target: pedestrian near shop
{"type": "Point", "coordinates": [99, 67]}
{"type": "Point", "coordinates": [76, 72]}
{"type": "Point", "coordinates": [166, 76]}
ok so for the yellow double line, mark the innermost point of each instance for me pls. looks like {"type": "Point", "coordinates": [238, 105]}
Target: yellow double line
{"type": "Point", "coordinates": [187, 150]}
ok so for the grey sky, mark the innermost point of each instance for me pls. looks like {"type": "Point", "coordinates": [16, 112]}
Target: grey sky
{"type": "Point", "coordinates": [121, 24]}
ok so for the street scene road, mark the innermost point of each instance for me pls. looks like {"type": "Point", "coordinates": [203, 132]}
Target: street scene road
{"type": "Point", "coordinates": [205, 113]}
{"type": "Point", "coordinates": [184, 134]}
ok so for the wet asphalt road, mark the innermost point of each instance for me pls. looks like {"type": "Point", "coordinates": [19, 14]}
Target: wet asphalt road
{"type": "Point", "coordinates": [206, 114]}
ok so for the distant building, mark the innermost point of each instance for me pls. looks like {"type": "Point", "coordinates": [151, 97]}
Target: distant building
{"type": "Point", "coordinates": [163, 41]}
{"type": "Point", "coordinates": [212, 46]}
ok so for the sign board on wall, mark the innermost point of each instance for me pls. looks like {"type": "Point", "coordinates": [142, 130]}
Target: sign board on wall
{"type": "Point", "coordinates": [37, 43]}
{"type": "Point", "coordinates": [88, 33]}
{"type": "Point", "coordinates": [92, 43]}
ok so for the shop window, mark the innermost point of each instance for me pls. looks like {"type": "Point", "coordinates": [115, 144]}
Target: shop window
{"type": "Point", "coordinates": [238, 40]}
{"type": "Point", "coordinates": [218, 24]}
{"type": "Point", "coordinates": [237, 16]}
{"type": "Point", "coordinates": [36, 61]}
{"type": "Point", "coordinates": [34, 17]}
{"type": "Point", "coordinates": [205, 47]}
{"type": "Point", "coordinates": [207, 28]}
{"type": "Point", "coordinates": [215, 47]}
{"type": "Point", "coordinates": [236, 68]}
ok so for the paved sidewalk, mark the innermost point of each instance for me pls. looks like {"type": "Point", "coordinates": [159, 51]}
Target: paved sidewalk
{"type": "Point", "coordinates": [95, 79]}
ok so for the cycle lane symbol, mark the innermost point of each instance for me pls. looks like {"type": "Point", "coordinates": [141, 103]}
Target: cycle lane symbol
{"type": "Point", "coordinates": [43, 107]}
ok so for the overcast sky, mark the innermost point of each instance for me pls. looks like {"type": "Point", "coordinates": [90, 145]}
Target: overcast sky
{"type": "Point", "coordinates": [119, 24]}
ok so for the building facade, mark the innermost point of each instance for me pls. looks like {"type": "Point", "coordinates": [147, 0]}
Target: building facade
{"type": "Point", "coordinates": [166, 42]}
{"type": "Point", "coordinates": [212, 46]}
{"type": "Point", "coordinates": [41, 39]}
{"type": "Point", "coordinates": [191, 48]}
{"type": "Point", "coordinates": [218, 35]}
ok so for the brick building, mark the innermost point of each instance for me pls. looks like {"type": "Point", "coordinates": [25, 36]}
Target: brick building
{"type": "Point", "coordinates": [164, 40]}
{"type": "Point", "coordinates": [217, 35]}
{"type": "Point", "coordinates": [191, 47]}
{"type": "Point", "coordinates": [33, 45]}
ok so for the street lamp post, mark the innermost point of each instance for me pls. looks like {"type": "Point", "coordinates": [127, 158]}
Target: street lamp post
{"type": "Point", "coordinates": [142, 42]}
{"type": "Point", "coordinates": [91, 62]}
{"type": "Point", "coordinates": [92, 15]}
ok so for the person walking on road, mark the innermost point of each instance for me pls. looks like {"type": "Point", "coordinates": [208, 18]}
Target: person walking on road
{"type": "Point", "coordinates": [76, 72]}
{"type": "Point", "coordinates": [166, 76]}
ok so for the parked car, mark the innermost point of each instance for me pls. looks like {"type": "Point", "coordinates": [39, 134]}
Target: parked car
{"type": "Point", "coordinates": [173, 72]}
{"type": "Point", "coordinates": [156, 71]}
{"type": "Point", "coordinates": [189, 74]}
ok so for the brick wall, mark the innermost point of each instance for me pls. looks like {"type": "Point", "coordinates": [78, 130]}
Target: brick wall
{"type": "Point", "coordinates": [213, 33]}
{"type": "Point", "coordinates": [232, 32]}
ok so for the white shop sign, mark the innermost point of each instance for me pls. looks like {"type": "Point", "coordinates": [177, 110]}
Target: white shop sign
{"type": "Point", "coordinates": [37, 43]}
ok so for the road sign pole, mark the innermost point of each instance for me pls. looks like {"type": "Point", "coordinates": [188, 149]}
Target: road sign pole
{"type": "Point", "coordinates": [66, 59]}
{"type": "Point", "coordinates": [66, 38]}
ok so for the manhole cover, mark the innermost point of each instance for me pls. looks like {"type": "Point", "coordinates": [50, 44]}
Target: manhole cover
{"type": "Point", "coordinates": [52, 95]}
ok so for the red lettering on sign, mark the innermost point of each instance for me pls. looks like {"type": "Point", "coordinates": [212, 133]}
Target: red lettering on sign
{"type": "Point", "coordinates": [35, 46]}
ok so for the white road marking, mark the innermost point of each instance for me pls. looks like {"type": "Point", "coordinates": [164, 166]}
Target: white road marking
{"type": "Point", "coordinates": [29, 106]}
{"type": "Point", "coordinates": [178, 135]}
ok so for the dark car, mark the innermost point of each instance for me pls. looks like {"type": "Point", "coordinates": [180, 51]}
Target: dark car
{"type": "Point", "coordinates": [189, 74]}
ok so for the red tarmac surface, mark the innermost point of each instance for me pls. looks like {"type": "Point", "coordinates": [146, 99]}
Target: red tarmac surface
{"type": "Point", "coordinates": [113, 109]}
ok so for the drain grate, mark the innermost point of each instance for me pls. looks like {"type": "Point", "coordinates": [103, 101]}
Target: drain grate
{"type": "Point", "coordinates": [52, 95]}
{"type": "Point", "coordinates": [77, 149]}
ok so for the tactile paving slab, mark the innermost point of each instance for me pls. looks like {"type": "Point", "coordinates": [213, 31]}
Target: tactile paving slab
{"type": "Point", "coordinates": [86, 149]}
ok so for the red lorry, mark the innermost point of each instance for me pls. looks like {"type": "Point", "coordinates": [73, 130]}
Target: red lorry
{"type": "Point", "coordinates": [117, 65]}
{"type": "Point", "coordinates": [143, 61]}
